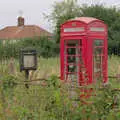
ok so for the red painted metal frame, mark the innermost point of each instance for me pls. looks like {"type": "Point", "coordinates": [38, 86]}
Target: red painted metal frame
{"type": "Point", "coordinates": [87, 38]}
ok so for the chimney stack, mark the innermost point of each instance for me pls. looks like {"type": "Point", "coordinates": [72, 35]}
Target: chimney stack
{"type": "Point", "coordinates": [21, 21]}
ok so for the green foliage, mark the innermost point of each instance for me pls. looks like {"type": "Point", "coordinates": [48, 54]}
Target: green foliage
{"type": "Point", "coordinates": [8, 82]}
{"type": "Point", "coordinates": [65, 10]}
{"type": "Point", "coordinates": [44, 46]}
{"type": "Point", "coordinates": [52, 101]}
{"type": "Point", "coordinates": [111, 17]}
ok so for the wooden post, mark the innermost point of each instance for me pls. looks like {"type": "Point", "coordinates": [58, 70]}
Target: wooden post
{"type": "Point", "coordinates": [27, 77]}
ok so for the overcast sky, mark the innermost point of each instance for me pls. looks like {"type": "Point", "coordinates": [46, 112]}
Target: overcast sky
{"type": "Point", "coordinates": [33, 11]}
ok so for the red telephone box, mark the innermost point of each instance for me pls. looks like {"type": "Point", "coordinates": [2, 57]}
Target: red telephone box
{"type": "Point", "coordinates": [83, 51]}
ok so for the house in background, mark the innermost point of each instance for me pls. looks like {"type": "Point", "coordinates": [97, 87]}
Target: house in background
{"type": "Point", "coordinates": [22, 31]}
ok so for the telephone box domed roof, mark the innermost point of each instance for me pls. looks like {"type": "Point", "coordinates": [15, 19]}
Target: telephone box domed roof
{"type": "Point", "coordinates": [86, 20]}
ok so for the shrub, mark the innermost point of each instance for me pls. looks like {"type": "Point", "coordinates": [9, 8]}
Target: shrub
{"type": "Point", "coordinates": [44, 46]}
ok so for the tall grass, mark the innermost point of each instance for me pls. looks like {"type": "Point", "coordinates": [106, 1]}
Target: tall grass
{"type": "Point", "coordinates": [45, 68]}
{"type": "Point", "coordinates": [52, 101]}
{"type": "Point", "coordinates": [114, 70]}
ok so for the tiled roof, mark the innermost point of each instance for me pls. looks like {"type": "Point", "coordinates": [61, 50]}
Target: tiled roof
{"type": "Point", "coordinates": [26, 31]}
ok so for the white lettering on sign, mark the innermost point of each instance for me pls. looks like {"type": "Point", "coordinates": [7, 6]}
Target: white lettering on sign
{"type": "Point", "coordinates": [97, 29]}
{"type": "Point", "coordinates": [78, 29]}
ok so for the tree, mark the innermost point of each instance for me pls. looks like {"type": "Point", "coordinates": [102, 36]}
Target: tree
{"type": "Point", "coordinates": [68, 9]}
{"type": "Point", "coordinates": [111, 16]}
{"type": "Point", "coordinates": [63, 11]}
